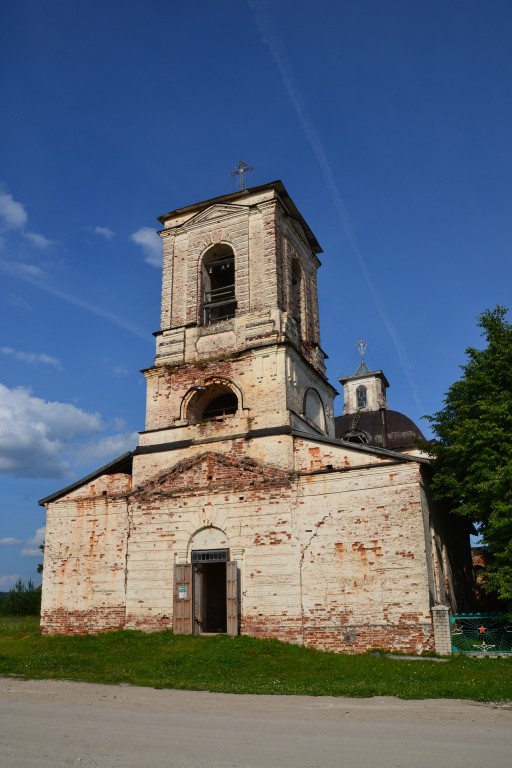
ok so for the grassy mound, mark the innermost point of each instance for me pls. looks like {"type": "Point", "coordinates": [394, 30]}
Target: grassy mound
{"type": "Point", "coordinates": [241, 665]}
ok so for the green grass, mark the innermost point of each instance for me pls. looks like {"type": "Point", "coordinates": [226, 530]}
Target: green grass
{"type": "Point", "coordinates": [240, 665]}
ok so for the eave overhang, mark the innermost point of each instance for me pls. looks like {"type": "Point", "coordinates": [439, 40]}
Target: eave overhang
{"type": "Point", "coordinates": [121, 465]}
{"type": "Point", "coordinates": [239, 197]}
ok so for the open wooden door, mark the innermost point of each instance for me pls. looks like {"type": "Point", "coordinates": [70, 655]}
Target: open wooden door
{"type": "Point", "coordinates": [232, 601]}
{"type": "Point", "coordinates": [182, 614]}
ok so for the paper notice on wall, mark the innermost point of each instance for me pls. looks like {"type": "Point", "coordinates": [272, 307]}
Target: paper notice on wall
{"type": "Point", "coordinates": [182, 592]}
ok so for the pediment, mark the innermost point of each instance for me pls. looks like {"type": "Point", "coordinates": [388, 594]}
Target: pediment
{"type": "Point", "coordinates": [214, 472]}
{"type": "Point", "coordinates": [215, 213]}
{"type": "Point", "coordinates": [299, 231]}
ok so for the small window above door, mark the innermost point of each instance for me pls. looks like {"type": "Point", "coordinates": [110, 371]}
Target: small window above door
{"type": "Point", "coordinates": [210, 556]}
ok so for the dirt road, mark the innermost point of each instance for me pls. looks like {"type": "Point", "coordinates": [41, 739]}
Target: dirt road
{"type": "Point", "coordinates": [57, 724]}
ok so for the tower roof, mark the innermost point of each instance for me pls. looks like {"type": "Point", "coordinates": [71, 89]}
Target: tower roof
{"type": "Point", "coordinates": [363, 372]}
{"type": "Point", "coordinates": [277, 187]}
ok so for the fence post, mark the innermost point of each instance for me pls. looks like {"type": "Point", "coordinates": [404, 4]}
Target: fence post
{"type": "Point", "coordinates": [442, 632]}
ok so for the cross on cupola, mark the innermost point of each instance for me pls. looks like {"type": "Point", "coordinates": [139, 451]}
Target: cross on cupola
{"type": "Point", "coordinates": [361, 347]}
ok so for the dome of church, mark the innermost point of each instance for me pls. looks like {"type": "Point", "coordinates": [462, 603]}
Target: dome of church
{"type": "Point", "coordinates": [383, 428]}
{"type": "Point", "coordinates": [367, 417]}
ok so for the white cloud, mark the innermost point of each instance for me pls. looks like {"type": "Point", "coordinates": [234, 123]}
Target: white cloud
{"type": "Point", "coordinates": [12, 214]}
{"type": "Point", "coordinates": [32, 270]}
{"type": "Point", "coordinates": [31, 552]}
{"type": "Point", "coordinates": [17, 301]}
{"type": "Point", "coordinates": [6, 582]}
{"type": "Point", "coordinates": [31, 357]}
{"type": "Point", "coordinates": [36, 435]}
{"type": "Point", "coordinates": [20, 269]}
{"type": "Point", "coordinates": [105, 232]}
{"type": "Point", "coordinates": [40, 241]}
{"type": "Point", "coordinates": [119, 371]}
{"type": "Point", "coordinates": [33, 544]}
{"type": "Point", "coordinates": [8, 541]}
{"type": "Point", "coordinates": [107, 448]}
{"type": "Point", "coordinates": [39, 438]}
{"type": "Point", "coordinates": [151, 245]}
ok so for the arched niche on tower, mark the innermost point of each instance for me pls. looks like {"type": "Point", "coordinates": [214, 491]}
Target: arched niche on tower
{"type": "Point", "coordinates": [214, 400]}
{"type": "Point", "coordinates": [297, 299]}
{"type": "Point", "coordinates": [313, 409]}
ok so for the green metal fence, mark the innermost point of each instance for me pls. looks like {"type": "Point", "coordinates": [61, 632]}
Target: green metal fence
{"type": "Point", "coordinates": [481, 633]}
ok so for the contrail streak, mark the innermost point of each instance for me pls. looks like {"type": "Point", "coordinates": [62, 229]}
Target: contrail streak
{"type": "Point", "coordinates": [271, 37]}
{"type": "Point", "coordinates": [14, 269]}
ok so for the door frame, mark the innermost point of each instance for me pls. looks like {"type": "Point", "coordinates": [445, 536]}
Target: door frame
{"type": "Point", "coordinates": [184, 598]}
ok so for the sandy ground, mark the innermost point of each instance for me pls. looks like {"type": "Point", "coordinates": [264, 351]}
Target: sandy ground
{"type": "Point", "coordinates": [51, 723]}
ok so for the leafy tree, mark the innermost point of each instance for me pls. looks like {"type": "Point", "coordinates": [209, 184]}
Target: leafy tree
{"type": "Point", "coordinates": [40, 565]}
{"type": "Point", "coordinates": [472, 455]}
{"type": "Point", "coordinates": [22, 600]}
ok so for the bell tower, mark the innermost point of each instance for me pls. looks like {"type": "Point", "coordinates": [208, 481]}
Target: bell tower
{"type": "Point", "coordinates": [238, 350]}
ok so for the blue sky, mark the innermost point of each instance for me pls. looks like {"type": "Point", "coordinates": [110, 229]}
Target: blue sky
{"type": "Point", "coordinates": [388, 122]}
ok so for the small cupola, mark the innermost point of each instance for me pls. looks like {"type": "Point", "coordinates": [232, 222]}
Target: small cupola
{"type": "Point", "coordinates": [365, 390]}
{"type": "Point", "coordinates": [367, 418]}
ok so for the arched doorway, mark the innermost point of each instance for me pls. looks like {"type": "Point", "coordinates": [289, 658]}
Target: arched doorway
{"type": "Point", "coordinates": [206, 589]}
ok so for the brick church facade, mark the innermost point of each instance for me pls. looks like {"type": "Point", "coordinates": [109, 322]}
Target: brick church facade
{"type": "Point", "coordinates": [247, 507]}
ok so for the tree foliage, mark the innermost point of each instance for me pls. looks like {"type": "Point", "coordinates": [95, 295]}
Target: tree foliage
{"type": "Point", "coordinates": [40, 565]}
{"type": "Point", "coordinates": [22, 600]}
{"type": "Point", "coordinates": [472, 455]}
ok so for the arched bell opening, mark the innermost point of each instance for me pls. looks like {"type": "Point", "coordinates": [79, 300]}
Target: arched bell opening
{"type": "Point", "coordinates": [361, 397]}
{"type": "Point", "coordinates": [212, 402]}
{"type": "Point", "coordinates": [218, 284]}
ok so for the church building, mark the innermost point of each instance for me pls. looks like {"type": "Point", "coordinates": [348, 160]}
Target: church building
{"type": "Point", "coordinates": [248, 507]}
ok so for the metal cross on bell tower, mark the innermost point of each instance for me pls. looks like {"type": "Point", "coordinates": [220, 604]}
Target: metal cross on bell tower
{"type": "Point", "coordinates": [361, 346]}
{"type": "Point", "coordinates": [239, 171]}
